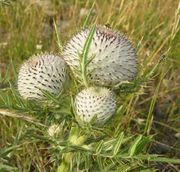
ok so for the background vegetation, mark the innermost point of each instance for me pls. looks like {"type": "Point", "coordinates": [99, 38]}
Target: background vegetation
{"type": "Point", "coordinates": [147, 121]}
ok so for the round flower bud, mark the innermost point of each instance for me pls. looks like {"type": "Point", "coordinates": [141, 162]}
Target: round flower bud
{"type": "Point", "coordinates": [41, 72]}
{"type": "Point", "coordinates": [95, 102]}
{"type": "Point", "coordinates": [54, 130]}
{"type": "Point", "coordinates": [111, 58]}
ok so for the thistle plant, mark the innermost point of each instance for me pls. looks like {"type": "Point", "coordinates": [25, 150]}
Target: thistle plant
{"type": "Point", "coordinates": [142, 135]}
{"type": "Point", "coordinates": [42, 72]}
{"type": "Point", "coordinates": [99, 57]}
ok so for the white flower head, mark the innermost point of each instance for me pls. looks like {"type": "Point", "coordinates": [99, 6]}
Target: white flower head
{"type": "Point", "coordinates": [41, 72]}
{"type": "Point", "coordinates": [111, 58]}
{"type": "Point", "coordinates": [94, 102]}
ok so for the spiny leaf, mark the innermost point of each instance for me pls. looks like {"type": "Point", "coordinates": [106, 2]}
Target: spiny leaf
{"type": "Point", "coordinates": [133, 148]}
{"type": "Point", "coordinates": [85, 54]}
{"type": "Point", "coordinates": [118, 144]}
{"type": "Point", "coordinates": [99, 147]}
{"type": "Point", "coordinates": [88, 16]}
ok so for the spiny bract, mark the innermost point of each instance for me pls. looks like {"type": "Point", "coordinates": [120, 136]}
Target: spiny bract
{"type": "Point", "coordinates": [95, 102]}
{"type": "Point", "coordinates": [111, 58]}
{"type": "Point", "coordinates": [41, 72]}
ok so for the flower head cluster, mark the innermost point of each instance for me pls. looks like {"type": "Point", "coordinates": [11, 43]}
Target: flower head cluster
{"type": "Point", "coordinates": [110, 60]}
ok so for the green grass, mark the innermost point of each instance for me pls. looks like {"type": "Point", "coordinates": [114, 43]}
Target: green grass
{"type": "Point", "coordinates": [143, 135]}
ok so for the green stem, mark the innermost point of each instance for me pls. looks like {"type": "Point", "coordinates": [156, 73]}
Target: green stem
{"type": "Point", "coordinates": [84, 77]}
{"type": "Point", "coordinates": [65, 164]}
{"type": "Point", "coordinates": [74, 139]}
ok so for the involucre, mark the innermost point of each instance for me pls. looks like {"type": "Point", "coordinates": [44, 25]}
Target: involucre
{"type": "Point", "coordinates": [111, 58]}
{"type": "Point", "coordinates": [41, 72]}
{"type": "Point", "coordinates": [94, 102]}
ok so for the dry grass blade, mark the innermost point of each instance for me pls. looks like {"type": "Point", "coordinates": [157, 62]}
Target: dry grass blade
{"type": "Point", "coordinates": [8, 113]}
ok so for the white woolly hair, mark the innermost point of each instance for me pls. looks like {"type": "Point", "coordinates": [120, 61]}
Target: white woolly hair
{"type": "Point", "coordinates": [95, 102]}
{"type": "Point", "coordinates": [111, 57]}
{"type": "Point", "coordinates": [41, 72]}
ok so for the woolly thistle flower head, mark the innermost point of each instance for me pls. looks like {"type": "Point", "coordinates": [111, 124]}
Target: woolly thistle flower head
{"type": "Point", "coordinates": [41, 72]}
{"type": "Point", "coordinates": [111, 58]}
{"type": "Point", "coordinates": [95, 102]}
{"type": "Point", "coordinates": [54, 130]}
